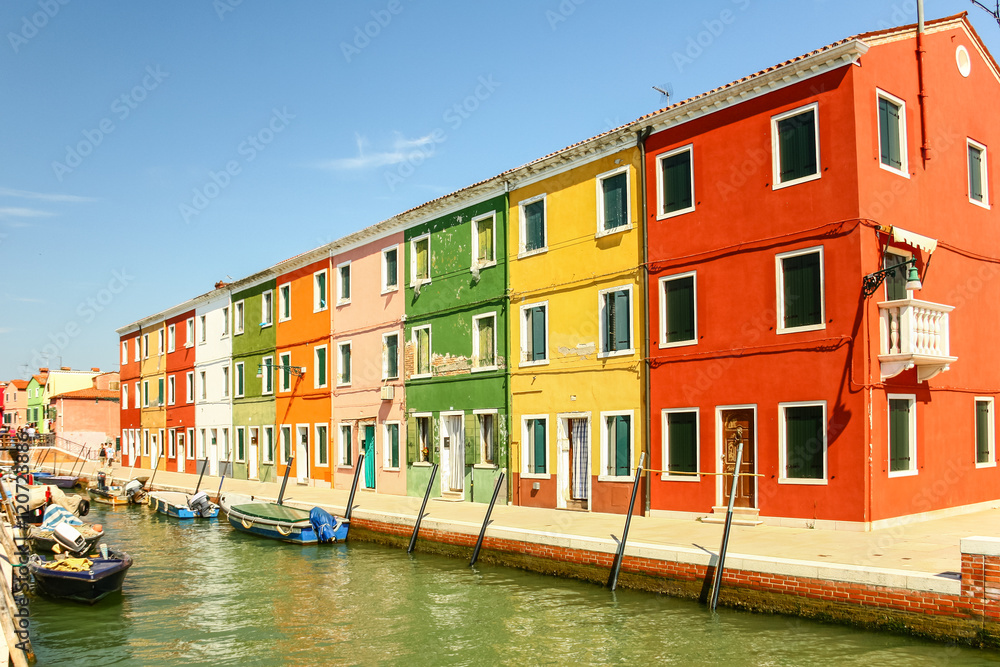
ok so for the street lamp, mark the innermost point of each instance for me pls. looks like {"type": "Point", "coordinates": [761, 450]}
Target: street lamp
{"type": "Point", "coordinates": [873, 280]}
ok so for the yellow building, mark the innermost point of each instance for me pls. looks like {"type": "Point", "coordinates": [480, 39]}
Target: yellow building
{"type": "Point", "coordinates": [577, 325]}
{"type": "Point", "coordinates": [153, 397]}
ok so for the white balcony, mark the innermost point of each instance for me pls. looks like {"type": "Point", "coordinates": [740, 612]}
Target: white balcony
{"type": "Point", "coordinates": [914, 334]}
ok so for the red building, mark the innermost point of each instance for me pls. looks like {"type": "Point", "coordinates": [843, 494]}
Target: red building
{"type": "Point", "coordinates": [131, 397]}
{"type": "Point", "coordinates": [180, 392]}
{"type": "Point", "coordinates": [772, 203]}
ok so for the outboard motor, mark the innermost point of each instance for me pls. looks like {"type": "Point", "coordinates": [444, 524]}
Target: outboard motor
{"type": "Point", "coordinates": [102, 480]}
{"type": "Point", "coordinates": [133, 490]}
{"type": "Point", "coordinates": [200, 503]}
{"type": "Point", "coordinates": [69, 538]}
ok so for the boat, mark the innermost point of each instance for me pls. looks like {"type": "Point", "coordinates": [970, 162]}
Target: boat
{"type": "Point", "coordinates": [80, 579]}
{"type": "Point", "coordinates": [62, 481]}
{"type": "Point", "coordinates": [183, 505]}
{"type": "Point", "coordinates": [281, 522]}
{"type": "Point", "coordinates": [42, 497]}
{"type": "Point", "coordinates": [117, 496]}
{"type": "Point", "coordinates": [51, 533]}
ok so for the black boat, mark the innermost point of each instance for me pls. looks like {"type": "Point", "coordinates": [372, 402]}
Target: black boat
{"type": "Point", "coordinates": [80, 579]}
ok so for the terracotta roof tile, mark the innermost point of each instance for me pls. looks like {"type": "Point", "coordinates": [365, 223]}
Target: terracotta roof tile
{"type": "Point", "coordinates": [90, 392]}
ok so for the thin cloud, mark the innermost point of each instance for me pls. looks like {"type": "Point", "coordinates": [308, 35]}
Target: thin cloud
{"type": "Point", "coordinates": [401, 150]}
{"type": "Point", "coordinates": [43, 196]}
{"type": "Point", "coordinates": [19, 212]}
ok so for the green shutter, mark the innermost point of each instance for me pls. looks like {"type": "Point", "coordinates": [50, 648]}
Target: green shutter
{"type": "Point", "coordinates": [619, 428]}
{"type": "Point", "coordinates": [615, 201]}
{"type": "Point", "coordinates": [802, 296]}
{"type": "Point", "coordinates": [484, 240]}
{"type": "Point", "coordinates": [899, 434]}
{"type": "Point", "coordinates": [423, 261]}
{"type": "Point", "coordinates": [423, 351]}
{"type": "Point", "coordinates": [623, 326]}
{"type": "Point", "coordinates": [680, 309]}
{"type": "Point", "coordinates": [321, 365]}
{"type": "Point", "coordinates": [392, 356]}
{"type": "Point", "coordinates": [895, 282]}
{"type": "Point", "coordinates": [537, 349]}
{"type": "Point", "coordinates": [538, 442]}
{"type": "Point", "coordinates": [797, 146]}
{"type": "Point", "coordinates": [321, 288]}
{"type": "Point", "coordinates": [534, 225]}
{"type": "Point", "coordinates": [975, 173]}
{"type": "Point", "coordinates": [390, 268]}
{"type": "Point", "coordinates": [345, 361]}
{"type": "Point", "coordinates": [889, 134]}
{"type": "Point", "coordinates": [486, 356]}
{"type": "Point", "coordinates": [240, 444]}
{"type": "Point", "coordinates": [804, 431]}
{"type": "Point", "coordinates": [412, 452]}
{"type": "Point", "coordinates": [471, 439]}
{"type": "Point", "coordinates": [982, 432]}
{"type": "Point", "coordinates": [682, 441]}
{"type": "Point", "coordinates": [159, 389]}
{"type": "Point", "coordinates": [675, 175]}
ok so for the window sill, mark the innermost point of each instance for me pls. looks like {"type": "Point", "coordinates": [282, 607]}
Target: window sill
{"type": "Point", "coordinates": [674, 214]}
{"type": "Point", "coordinates": [903, 473]}
{"type": "Point", "coordinates": [484, 466]}
{"type": "Point", "coordinates": [529, 364]}
{"type": "Point", "coordinates": [602, 233]}
{"type": "Point", "coordinates": [341, 466]}
{"type": "Point", "coordinates": [422, 376]}
{"type": "Point", "coordinates": [980, 204]}
{"type": "Point", "coordinates": [421, 464]}
{"type": "Point", "coordinates": [615, 353]}
{"type": "Point", "coordinates": [616, 478]}
{"type": "Point", "coordinates": [808, 327]}
{"type": "Point", "coordinates": [892, 170]}
{"type": "Point", "coordinates": [389, 290]}
{"type": "Point", "coordinates": [678, 343]}
{"type": "Point", "coordinates": [788, 184]}
{"type": "Point", "coordinates": [666, 477]}
{"type": "Point", "coordinates": [384, 469]}
{"type": "Point", "coordinates": [421, 282]}
{"type": "Point", "coordinates": [266, 326]}
{"type": "Point", "coordinates": [323, 308]}
{"type": "Point", "coordinates": [991, 464]}
{"type": "Point", "coordinates": [802, 482]}
{"type": "Point", "coordinates": [483, 265]}
{"type": "Point", "coordinates": [535, 475]}
{"type": "Point", "coordinates": [340, 302]}
{"type": "Point", "coordinates": [531, 253]}
{"type": "Point", "coordinates": [321, 465]}
{"type": "Point", "coordinates": [483, 369]}
{"type": "Point", "coordinates": [393, 378]}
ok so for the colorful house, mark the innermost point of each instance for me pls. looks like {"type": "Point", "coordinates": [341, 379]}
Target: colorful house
{"type": "Point", "coordinates": [59, 382]}
{"type": "Point", "coordinates": [366, 361]}
{"type": "Point", "coordinates": [180, 392]}
{"type": "Point", "coordinates": [16, 404]}
{"type": "Point", "coordinates": [90, 417]}
{"type": "Point", "coordinates": [153, 382]}
{"type": "Point", "coordinates": [457, 350]}
{"type": "Point", "coordinates": [131, 393]}
{"type": "Point", "coordinates": [36, 402]}
{"type": "Point", "coordinates": [213, 381]}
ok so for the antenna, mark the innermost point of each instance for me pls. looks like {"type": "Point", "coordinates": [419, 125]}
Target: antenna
{"type": "Point", "coordinates": [666, 91]}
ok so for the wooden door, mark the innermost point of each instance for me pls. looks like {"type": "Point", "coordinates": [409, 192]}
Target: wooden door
{"type": "Point", "coordinates": [738, 425]}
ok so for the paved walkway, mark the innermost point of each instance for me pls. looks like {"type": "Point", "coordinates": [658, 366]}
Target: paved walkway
{"type": "Point", "coordinates": [916, 555]}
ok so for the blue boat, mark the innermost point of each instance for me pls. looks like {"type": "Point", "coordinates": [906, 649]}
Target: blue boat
{"type": "Point", "coordinates": [183, 505]}
{"type": "Point", "coordinates": [90, 580]}
{"type": "Point", "coordinates": [281, 522]}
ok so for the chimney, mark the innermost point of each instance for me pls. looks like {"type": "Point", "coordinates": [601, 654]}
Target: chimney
{"type": "Point", "coordinates": [95, 370]}
{"type": "Point", "coordinates": [43, 370]}
{"type": "Point", "coordinates": [64, 368]}
{"type": "Point", "coordinates": [220, 284]}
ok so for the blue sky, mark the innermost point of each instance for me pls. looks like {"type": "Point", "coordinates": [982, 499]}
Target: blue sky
{"type": "Point", "coordinates": [150, 149]}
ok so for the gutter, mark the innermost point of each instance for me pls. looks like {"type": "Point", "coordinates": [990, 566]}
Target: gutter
{"type": "Point", "coordinates": [640, 140]}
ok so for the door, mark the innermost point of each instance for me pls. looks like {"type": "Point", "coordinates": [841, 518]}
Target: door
{"type": "Point", "coordinates": [453, 454]}
{"type": "Point", "coordinates": [579, 461]}
{"type": "Point", "coordinates": [369, 445]}
{"type": "Point", "coordinates": [213, 452]}
{"type": "Point", "coordinates": [181, 452]}
{"type": "Point", "coordinates": [738, 426]}
{"type": "Point", "coordinates": [253, 464]}
{"type": "Point", "coordinates": [302, 455]}
{"type": "Point", "coordinates": [154, 451]}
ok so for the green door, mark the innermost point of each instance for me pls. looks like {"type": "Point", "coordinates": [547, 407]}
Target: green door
{"type": "Point", "coordinates": [369, 457]}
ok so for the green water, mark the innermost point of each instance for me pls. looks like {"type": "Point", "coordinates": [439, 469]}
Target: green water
{"type": "Point", "coordinates": [201, 593]}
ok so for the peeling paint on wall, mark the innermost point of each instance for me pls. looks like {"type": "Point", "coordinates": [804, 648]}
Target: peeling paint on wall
{"type": "Point", "coordinates": [582, 349]}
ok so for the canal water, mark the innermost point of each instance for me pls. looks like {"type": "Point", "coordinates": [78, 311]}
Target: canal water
{"type": "Point", "coordinates": [201, 593]}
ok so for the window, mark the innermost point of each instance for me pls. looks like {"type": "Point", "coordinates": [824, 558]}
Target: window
{"type": "Point", "coordinates": [613, 201]}
{"type": "Point", "coordinates": [319, 366]}
{"type": "Point", "coordinates": [145, 393]}
{"type": "Point", "coordinates": [203, 326]}
{"type": "Point", "coordinates": [159, 391]}
{"type": "Point", "coordinates": [286, 443]}
{"type": "Point", "coordinates": [977, 174]}
{"type": "Point", "coordinates": [422, 351]}
{"type": "Point", "coordinates": [204, 386]}
{"type": "Point", "coordinates": [225, 381]}
{"type": "Point", "coordinates": [267, 375]}
{"type": "Point", "coordinates": [145, 442]}
{"type": "Point", "coordinates": [802, 448]}
{"type": "Point", "coordinates": [266, 309]}
{"type": "Point", "coordinates": [680, 444]}
{"type": "Point", "coordinates": [124, 399]}
{"type": "Point", "coordinates": [616, 321]}
{"type": "Point", "coordinates": [484, 240]}
{"type": "Point", "coordinates": [420, 266]}
{"type": "Point", "coordinates": [795, 146]}
{"type": "Point", "coordinates": [678, 310]}
{"type": "Point", "coordinates": [285, 366]}
{"type": "Point", "coordinates": [892, 133]}
{"type": "Point", "coordinates": [533, 237]}
{"type": "Point", "coordinates": [238, 318]}
{"type": "Point", "coordinates": [390, 270]}
{"type": "Point", "coordinates": [268, 444]}
{"type": "Point", "coordinates": [171, 338]}
{"type": "Point", "coordinates": [895, 282]}
{"type": "Point", "coordinates": [189, 380]}
{"type": "Point", "coordinates": [487, 421]}
{"type": "Point", "coordinates": [225, 322]}
{"type": "Point", "coordinates": [145, 346]}
{"type": "Point", "coordinates": [534, 334]}
{"type": "Point", "coordinates": [320, 291]}
{"type": "Point", "coordinates": [800, 290]}
{"type": "Point", "coordinates": [423, 438]}
{"type": "Point", "coordinates": [322, 446]}
{"type": "Point", "coordinates": [240, 379]}
{"type": "Point", "coordinates": [616, 453]}
{"type": "Point", "coordinates": [159, 343]}
{"type": "Point", "coordinates": [344, 283]}
{"type": "Point", "coordinates": [390, 356]}
{"type": "Point", "coordinates": [390, 445]}
{"type": "Point", "coordinates": [284, 302]}
{"type": "Point", "coordinates": [241, 445]}
{"type": "Point", "coordinates": [171, 390]}
{"type": "Point", "coordinates": [985, 443]}
{"type": "Point", "coordinates": [344, 446]}
{"type": "Point", "coordinates": [535, 447]}
{"type": "Point", "coordinates": [172, 444]}
{"type": "Point", "coordinates": [137, 348]}
{"type": "Point", "coordinates": [344, 363]}
{"type": "Point", "coordinates": [484, 341]}
{"type": "Point", "coordinates": [189, 334]}
{"type": "Point", "coordinates": [124, 352]}
{"type": "Point", "coordinates": [675, 182]}
{"type": "Point", "coordinates": [190, 443]}
{"type": "Point", "coordinates": [902, 435]}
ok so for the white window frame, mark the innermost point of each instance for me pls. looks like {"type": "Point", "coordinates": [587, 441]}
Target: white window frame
{"type": "Point", "coordinates": [522, 241]}
{"type": "Point", "coordinates": [776, 148]}
{"type": "Point", "coordinates": [145, 346]}
{"type": "Point", "coordinates": [239, 317]}
{"type": "Point", "coordinates": [783, 445]}
{"type": "Point", "coordinates": [385, 356]}
{"type": "Point", "coordinates": [492, 217]}
{"type": "Point", "coordinates": [386, 288]}
{"type": "Point", "coordinates": [172, 443]}
{"type": "Point", "coordinates": [267, 375]}
{"type": "Point", "coordinates": [266, 308]}
{"type": "Point", "coordinates": [171, 389]}
{"type": "Point", "coordinates": [316, 442]}
{"type": "Point", "coordinates": [239, 372]}
{"type": "Point", "coordinates": [913, 470]}
{"type": "Point", "coordinates": [124, 353]}
{"type": "Point", "coordinates": [204, 385]}
{"type": "Point", "coordinates": [416, 352]}
{"type": "Point", "coordinates": [386, 452]}
{"type": "Point", "coordinates": [284, 302]}
{"type": "Point", "coordinates": [992, 462]}
{"type": "Point", "coordinates": [969, 142]}
{"type": "Point", "coordinates": [780, 282]}
{"type": "Point", "coordinates": [190, 387]}
{"type": "Point", "coordinates": [160, 347]}
{"type": "Point", "coordinates": [321, 301]}
{"type": "Point", "coordinates": [526, 444]}
{"type": "Point", "coordinates": [602, 314]}
{"type": "Point", "coordinates": [414, 281]}
{"type": "Point", "coordinates": [284, 362]}
{"type": "Point", "coordinates": [239, 432]}
{"type": "Point", "coordinates": [904, 148]}
{"type": "Point", "coordinates": [475, 342]}
{"type": "Point", "coordinates": [496, 436]}
{"type": "Point", "coordinates": [342, 300]}
{"type": "Point", "coordinates": [344, 447]}
{"type": "Point", "coordinates": [189, 333]}
{"type": "Point", "coordinates": [286, 439]}
{"type": "Point", "coordinates": [124, 399]}
{"type": "Point", "coordinates": [267, 453]}
{"type": "Point", "coordinates": [145, 441]}
{"type": "Point", "coordinates": [225, 322]}
{"type": "Point", "coordinates": [203, 321]}
{"type": "Point", "coordinates": [660, 203]}
{"type": "Point", "coordinates": [171, 337]}
{"type": "Point", "coordinates": [326, 350]}
{"type": "Point", "coordinates": [663, 309]}
{"type": "Point", "coordinates": [225, 382]}
{"type": "Point", "coordinates": [137, 351]}
{"type": "Point", "coordinates": [145, 393]}
{"type": "Point", "coordinates": [665, 439]}
{"type": "Point", "coordinates": [599, 179]}
{"type": "Point", "coordinates": [602, 476]}
{"type": "Point", "coordinates": [190, 445]}
{"type": "Point", "coordinates": [340, 363]}
{"type": "Point", "coordinates": [522, 359]}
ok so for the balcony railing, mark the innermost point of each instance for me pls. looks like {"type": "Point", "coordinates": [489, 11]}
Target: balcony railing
{"type": "Point", "coordinates": [914, 334]}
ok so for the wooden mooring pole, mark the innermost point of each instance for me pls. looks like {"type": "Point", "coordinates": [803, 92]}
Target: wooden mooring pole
{"type": "Point", "coordinates": [354, 485]}
{"type": "Point", "coordinates": [717, 580]}
{"type": "Point", "coordinates": [486, 521]}
{"type": "Point", "coordinates": [616, 566]}
{"type": "Point", "coordinates": [423, 506]}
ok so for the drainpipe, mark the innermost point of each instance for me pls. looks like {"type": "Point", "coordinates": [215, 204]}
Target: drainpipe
{"type": "Point", "coordinates": [507, 365]}
{"type": "Point", "coordinates": [925, 149]}
{"type": "Point", "coordinates": [640, 140]}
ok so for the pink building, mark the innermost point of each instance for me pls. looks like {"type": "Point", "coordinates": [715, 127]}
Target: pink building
{"type": "Point", "coordinates": [89, 417]}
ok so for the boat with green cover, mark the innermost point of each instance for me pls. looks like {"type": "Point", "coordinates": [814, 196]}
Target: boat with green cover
{"type": "Point", "coordinates": [281, 522]}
